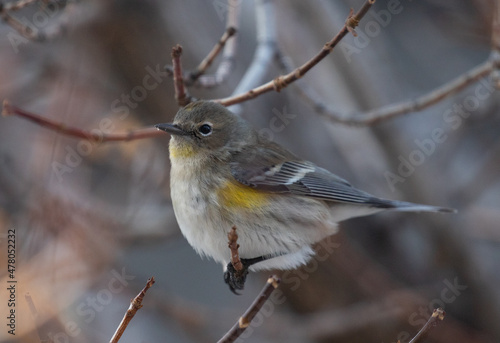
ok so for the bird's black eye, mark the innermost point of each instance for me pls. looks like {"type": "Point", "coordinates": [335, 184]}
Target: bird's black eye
{"type": "Point", "coordinates": [205, 129]}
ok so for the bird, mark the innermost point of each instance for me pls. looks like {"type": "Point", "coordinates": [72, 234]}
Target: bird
{"type": "Point", "coordinates": [225, 174]}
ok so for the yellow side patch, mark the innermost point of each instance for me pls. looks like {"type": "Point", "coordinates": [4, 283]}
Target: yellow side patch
{"type": "Point", "coordinates": [233, 194]}
{"type": "Point", "coordinates": [177, 151]}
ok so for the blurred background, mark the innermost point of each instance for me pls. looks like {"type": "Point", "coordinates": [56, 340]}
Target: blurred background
{"type": "Point", "coordinates": [94, 221]}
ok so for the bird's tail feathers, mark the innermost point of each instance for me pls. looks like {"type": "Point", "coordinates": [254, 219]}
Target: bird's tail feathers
{"type": "Point", "coordinates": [404, 206]}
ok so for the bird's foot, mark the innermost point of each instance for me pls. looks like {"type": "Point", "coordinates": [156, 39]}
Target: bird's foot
{"type": "Point", "coordinates": [235, 279]}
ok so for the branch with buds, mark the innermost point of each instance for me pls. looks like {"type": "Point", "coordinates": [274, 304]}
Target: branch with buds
{"type": "Point", "coordinates": [135, 305]}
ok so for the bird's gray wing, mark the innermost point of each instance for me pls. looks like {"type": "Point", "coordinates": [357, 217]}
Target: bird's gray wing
{"type": "Point", "coordinates": [278, 171]}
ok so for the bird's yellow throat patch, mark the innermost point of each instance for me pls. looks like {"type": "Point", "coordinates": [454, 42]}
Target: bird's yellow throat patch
{"type": "Point", "coordinates": [233, 194]}
{"type": "Point", "coordinates": [180, 151]}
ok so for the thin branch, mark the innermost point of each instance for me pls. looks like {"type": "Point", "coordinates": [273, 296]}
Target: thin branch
{"type": "Point", "coordinates": [436, 318]}
{"type": "Point", "coordinates": [387, 112]}
{"type": "Point", "coordinates": [284, 80]}
{"type": "Point", "coordinates": [267, 43]}
{"type": "Point", "coordinates": [435, 96]}
{"type": "Point", "coordinates": [489, 67]}
{"type": "Point", "coordinates": [495, 27]}
{"type": "Point", "coordinates": [180, 91]}
{"type": "Point", "coordinates": [229, 53]}
{"type": "Point", "coordinates": [226, 64]}
{"type": "Point", "coordinates": [240, 326]}
{"type": "Point", "coordinates": [16, 5]}
{"type": "Point", "coordinates": [208, 60]}
{"type": "Point", "coordinates": [27, 31]}
{"type": "Point", "coordinates": [234, 246]}
{"type": "Point", "coordinates": [495, 42]}
{"type": "Point", "coordinates": [303, 89]}
{"type": "Point", "coordinates": [95, 136]}
{"type": "Point", "coordinates": [193, 78]}
{"type": "Point", "coordinates": [135, 305]}
{"type": "Point", "coordinates": [31, 305]}
{"type": "Point", "coordinates": [23, 29]}
{"type": "Point", "coordinates": [35, 315]}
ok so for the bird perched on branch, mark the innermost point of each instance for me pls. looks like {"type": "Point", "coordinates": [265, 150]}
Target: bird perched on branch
{"type": "Point", "coordinates": [224, 174]}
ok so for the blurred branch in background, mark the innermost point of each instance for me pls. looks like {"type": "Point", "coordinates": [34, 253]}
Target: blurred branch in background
{"type": "Point", "coordinates": [390, 111]}
{"type": "Point", "coordinates": [207, 61]}
{"type": "Point", "coordinates": [198, 78]}
{"type": "Point", "coordinates": [193, 77]}
{"type": "Point", "coordinates": [252, 75]}
{"type": "Point", "coordinates": [284, 80]}
{"type": "Point", "coordinates": [36, 317]}
{"type": "Point", "coordinates": [369, 118]}
{"type": "Point", "coordinates": [29, 30]}
{"type": "Point", "coordinates": [267, 43]}
{"type": "Point", "coordinates": [487, 68]}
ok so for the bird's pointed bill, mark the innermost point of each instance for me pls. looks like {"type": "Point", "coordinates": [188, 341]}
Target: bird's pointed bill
{"type": "Point", "coordinates": [172, 129]}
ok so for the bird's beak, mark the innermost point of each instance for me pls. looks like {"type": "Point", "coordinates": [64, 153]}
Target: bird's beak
{"type": "Point", "coordinates": [172, 129]}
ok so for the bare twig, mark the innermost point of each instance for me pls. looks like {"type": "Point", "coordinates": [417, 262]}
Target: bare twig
{"type": "Point", "coordinates": [193, 78]}
{"type": "Point", "coordinates": [226, 64]}
{"type": "Point", "coordinates": [303, 89]}
{"type": "Point", "coordinates": [240, 326]}
{"type": "Point", "coordinates": [495, 29]}
{"type": "Point", "coordinates": [16, 5]}
{"type": "Point", "coordinates": [207, 61]}
{"type": "Point", "coordinates": [31, 305]}
{"type": "Point", "coordinates": [284, 80]}
{"type": "Point", "coordinates": [436, 317]}
{"type": "Point", "coordinates": [266, 49]}
{"type": "Point", "coordinates": [180, 91]}
{"type": "Point", "coordinates": [495, 43]}
{"type": "Point", "coordinates": [489, 67]}
{"type": "Point", "coordinates": [23, 29]}
{"type": "Point", "coordinates": [234, 246]}
{"type": "Point", "coordinates": [95, 136]}
{"type": "Point", "coordinates": [35, 315]}
{"type": "Point", "coordinates": [135, 305]}
{"type": "Point", "coordinates": [450, 88]}
{"type": "Point", "coordinates": [29, 32]}
{"type": "Point", "coordinates": [405, 107]}
{"type": "Point", "coordinates": [198, 78]}
{"type": "Point", "coordinates": [384, 113]}
{"type": "Point", "coordinates": [388, 112]}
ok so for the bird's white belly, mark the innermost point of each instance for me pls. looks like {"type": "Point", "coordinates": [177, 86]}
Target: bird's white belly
{"type": "Point", "coordinates": [200, 223]}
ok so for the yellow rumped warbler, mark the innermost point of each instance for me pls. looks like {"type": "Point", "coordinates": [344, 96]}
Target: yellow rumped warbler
{"type": "Point", "coordinates": [224, 174]}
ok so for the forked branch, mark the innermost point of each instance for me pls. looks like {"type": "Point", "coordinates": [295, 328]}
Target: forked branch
{"type": "Point", "coordinates": [208, 60]}
{"type": "Point", "coordinates": [284, 80]}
